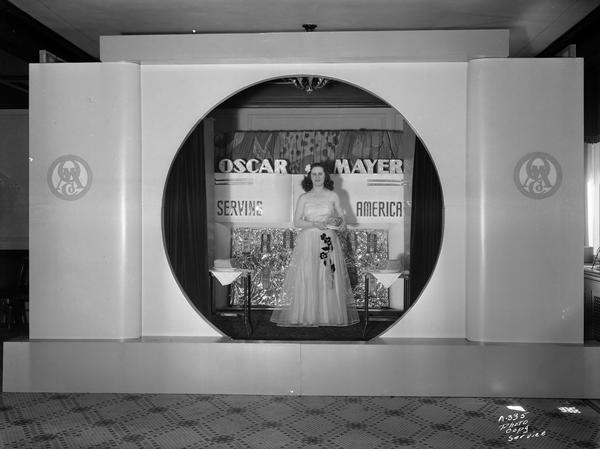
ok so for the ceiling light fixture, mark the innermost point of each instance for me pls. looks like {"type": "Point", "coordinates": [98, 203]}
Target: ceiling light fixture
{"type": "Point", "coordinates": [309, 83]}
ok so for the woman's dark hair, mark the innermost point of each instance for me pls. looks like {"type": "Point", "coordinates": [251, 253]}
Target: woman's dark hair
{"type": "Point", "coordinates": [307, 184]}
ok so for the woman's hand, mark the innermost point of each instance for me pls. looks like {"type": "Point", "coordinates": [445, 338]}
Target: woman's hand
{"type": "Point", "coordinates": [336, 223]}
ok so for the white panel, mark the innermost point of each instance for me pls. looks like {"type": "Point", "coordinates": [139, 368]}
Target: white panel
{"type": "Point", "coordinates": [431, 97]}
{"type": "Point", "coordinates": [85, 253]}
{"type": "Point", "coordinates": [440, 310]}
{"type": "Point", "coordinates": [450, 368]}
{"type": "Point", "coordinates": [192, 366]}
{"type": "Point", "coordinates": [394, 367]}
{"type": "Point", "coordinates": [524, 264]}
{"type": "Point", "coordinates": [295, 48]}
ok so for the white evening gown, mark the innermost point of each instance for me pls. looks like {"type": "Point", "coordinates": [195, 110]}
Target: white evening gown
{"type": "Point", "coordinates": [316, 290]}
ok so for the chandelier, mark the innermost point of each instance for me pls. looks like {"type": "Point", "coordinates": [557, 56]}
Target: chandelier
{"type": "Point", "coordinates": [309, 83]}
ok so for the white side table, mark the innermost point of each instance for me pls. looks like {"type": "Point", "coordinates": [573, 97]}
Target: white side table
{"type": "Point", "coordinates": [226, 276]}
{"type": "Point", "coordinates": [387, 278]}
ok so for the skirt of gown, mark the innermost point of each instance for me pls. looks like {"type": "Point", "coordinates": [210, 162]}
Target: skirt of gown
{"type": "Point", "coordinates": [317, 290]}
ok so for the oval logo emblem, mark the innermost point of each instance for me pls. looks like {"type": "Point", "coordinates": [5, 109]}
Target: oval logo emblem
{"type": "Point", "coordinates": [538, 175]}
{"type": "Point", "coordinates": [69, 177]}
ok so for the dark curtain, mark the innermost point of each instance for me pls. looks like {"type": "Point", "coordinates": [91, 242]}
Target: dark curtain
{"type": "Point", "coordinates": [426, 221]}
{"type": "Point", "coordinates": [591, 100]}
{"type": "Point", "coordinates": [185, 222]}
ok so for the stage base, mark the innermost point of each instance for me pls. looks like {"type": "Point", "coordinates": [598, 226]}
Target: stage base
{"type": "Point", "coordinates": [397, 367]}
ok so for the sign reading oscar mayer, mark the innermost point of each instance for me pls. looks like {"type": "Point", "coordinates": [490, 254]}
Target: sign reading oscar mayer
{"type": "Point", "coordinates": [253, 190]}
{"type": "Point", "coordinates": [342, 166]}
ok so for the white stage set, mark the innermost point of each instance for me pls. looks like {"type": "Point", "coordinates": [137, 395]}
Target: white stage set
{"type": "Point", "coordinates": [502, 314]}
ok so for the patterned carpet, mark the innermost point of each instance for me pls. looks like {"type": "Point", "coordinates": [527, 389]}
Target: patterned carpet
{"type": "Point", "coordinates": [33, 420]}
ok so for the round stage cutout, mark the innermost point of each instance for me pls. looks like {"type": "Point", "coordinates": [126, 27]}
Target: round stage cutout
{"type": "Point", "coordinates": [234, 185]}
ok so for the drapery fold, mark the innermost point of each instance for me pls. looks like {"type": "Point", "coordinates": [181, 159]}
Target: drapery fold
{"type": "Point", "coordinates": [426, 222]}
{"type": "Point", "coordinates": [185, 222]}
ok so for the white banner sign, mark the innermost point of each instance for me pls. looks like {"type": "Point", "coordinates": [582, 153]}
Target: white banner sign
{"type": "Point", "coordinates": [373, 198]}
{"type": "Point", "coordinates": [366, 198]}
{"type": "Point", "coordinates": [251, 197]}
{"type": "Point", "coordinates": [271, 198]}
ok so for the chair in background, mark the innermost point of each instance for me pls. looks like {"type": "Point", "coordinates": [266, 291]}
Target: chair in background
{"type": "Point", "coordinates": [14, 288]}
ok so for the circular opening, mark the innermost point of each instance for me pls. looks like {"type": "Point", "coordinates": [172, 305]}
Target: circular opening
{"type": "Point", "coordinates": [232, 195]}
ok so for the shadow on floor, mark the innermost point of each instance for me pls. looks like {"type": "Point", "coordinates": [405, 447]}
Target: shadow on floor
{"type": "Point", "coordinates": [264, 329]}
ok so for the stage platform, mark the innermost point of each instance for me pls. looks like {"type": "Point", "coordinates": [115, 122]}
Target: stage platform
{"type": "Point", "coordinates": [394, 367]}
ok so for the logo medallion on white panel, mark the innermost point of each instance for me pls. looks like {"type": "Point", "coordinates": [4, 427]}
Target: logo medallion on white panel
{"type": "Point", "coordinates": [69, 177]}
{"type": "Point", "coordinates": [538, 175]}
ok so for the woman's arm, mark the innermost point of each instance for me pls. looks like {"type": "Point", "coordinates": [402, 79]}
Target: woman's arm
{"type": "Point", "coordinates": [338, 209]}
{"type": "Point", "coordinates": [299, 220]}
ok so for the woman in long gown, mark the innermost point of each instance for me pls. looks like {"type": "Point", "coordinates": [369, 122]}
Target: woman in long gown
{"type": "Point", "coordinates": [316, 290]}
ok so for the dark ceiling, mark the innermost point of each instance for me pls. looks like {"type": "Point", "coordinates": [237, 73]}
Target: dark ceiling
{"type": "Point", "coordinates": [22, 37]}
